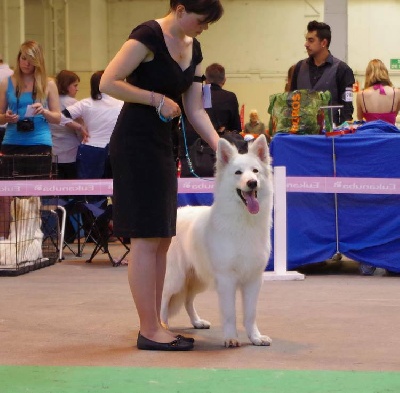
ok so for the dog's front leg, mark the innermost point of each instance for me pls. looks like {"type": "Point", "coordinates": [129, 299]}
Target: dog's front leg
{"type": "Point", "coordinates": [250, 292]}
{"type": "Point", "coordinates": [226, 288]}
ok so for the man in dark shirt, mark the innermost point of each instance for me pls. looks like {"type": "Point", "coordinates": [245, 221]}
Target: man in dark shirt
{"type": "Point", "coordinates": [321, 71]}
{"type": "Point", "coordinates": [224, 113]}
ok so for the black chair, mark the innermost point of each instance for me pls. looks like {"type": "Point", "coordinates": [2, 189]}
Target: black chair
{"type": "Point", "coordinates": [93, 219]}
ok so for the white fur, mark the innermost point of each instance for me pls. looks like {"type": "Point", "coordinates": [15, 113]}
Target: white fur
{"type": "Point", "coordinates": [24, 244]}
{"type": "Point", "coordinates": [224, 244]}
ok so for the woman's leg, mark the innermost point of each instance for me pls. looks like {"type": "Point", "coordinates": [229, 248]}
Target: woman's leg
{"type": "Point", "coordinates": [161, 268]}
{"type": "Point", "coordinates": [146, 272]}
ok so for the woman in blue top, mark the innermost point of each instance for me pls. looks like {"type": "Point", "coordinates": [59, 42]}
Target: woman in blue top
{"type": "Point", "coordinates": [28, 103]}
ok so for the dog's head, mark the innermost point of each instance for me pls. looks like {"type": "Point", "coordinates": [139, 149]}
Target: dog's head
{"type": "Point", "coordinates": [248, 176]}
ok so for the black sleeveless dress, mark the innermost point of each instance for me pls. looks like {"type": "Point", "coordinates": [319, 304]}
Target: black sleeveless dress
{"type": "Point", "coordinates": [141, 148]}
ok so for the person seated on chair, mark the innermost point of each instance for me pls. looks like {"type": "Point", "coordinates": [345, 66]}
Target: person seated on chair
{"type": "Point", "coordinates": [254, 125]}
{"type": "Point", "coordinates": [224, 113]}
{"type": "Point", "coordinates": [379, 100]}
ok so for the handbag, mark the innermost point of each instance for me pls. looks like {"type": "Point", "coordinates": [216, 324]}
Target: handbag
{"type": "Point", "coordinates": [202, 158]}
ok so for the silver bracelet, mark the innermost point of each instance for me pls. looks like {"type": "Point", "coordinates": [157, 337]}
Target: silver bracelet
{"type": "Point", "coordinates": [160, 105]}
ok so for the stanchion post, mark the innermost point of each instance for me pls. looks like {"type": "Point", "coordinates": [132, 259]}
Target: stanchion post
{"type": "Point", "coordinates": [280, 231]}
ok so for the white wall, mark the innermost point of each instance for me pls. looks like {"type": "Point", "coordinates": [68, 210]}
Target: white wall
{"type": "Point", "coordinates": [374, 32]}
{"type": "Point", "coordinates": [256, 40]}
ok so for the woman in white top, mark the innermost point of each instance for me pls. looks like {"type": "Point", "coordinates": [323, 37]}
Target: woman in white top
{"type": "Point", "coordinates": [66, 140]}
{"type": "Point", "coordinates": [99, 113]}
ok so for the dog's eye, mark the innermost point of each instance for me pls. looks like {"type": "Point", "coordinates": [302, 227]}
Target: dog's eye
{"type": "Point", "coordinates": [255, 170]}
{"type": "Point", "coordinates": [238, 172]}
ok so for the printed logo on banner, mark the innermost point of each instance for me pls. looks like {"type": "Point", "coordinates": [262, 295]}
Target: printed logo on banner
{"type": "Point", "coordinates": [365, 186]}
{"type": "Point", "coordinates": [7, 189]}
{"type": "Point", "coordinates": [197, 185]}
{"type": "Point", "coordinates": [303, 185]}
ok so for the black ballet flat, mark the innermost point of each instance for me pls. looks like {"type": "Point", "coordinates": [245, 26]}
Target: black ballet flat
{"type": "Point", "coordinates": [175, 345]}
{"type": "Point", "coordinates": [183, 338]}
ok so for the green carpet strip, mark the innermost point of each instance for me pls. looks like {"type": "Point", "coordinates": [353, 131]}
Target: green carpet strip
{"type": "Point", "coordinates": [36, 379]}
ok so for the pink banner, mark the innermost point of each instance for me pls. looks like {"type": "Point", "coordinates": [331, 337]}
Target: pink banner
{"type": "Point", "coordinates": [330, 185]}
{"type": "Point", "coordinates": [343, 185]}
{"type": "Point", "coordinates": [87, 187]}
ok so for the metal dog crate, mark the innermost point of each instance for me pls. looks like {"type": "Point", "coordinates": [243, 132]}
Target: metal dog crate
{"type": "Point", "coordinates": [29, 226]}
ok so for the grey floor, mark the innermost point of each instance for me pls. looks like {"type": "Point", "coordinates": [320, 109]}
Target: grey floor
{"type": "Point", "coordinates": [74, 313]}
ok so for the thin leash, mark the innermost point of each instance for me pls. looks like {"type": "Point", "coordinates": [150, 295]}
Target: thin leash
{"type": "Point", "coordinates": [168, 119]}
{"type": "Point", "coordinates": [189, 161]}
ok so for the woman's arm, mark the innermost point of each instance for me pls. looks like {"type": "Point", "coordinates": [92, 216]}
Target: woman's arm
{"type": "Point", "coordinates": [397, 107]}
{"type": "Point", "coordinates": [78, 126]}
{"type": "Point", "coordinates": [72, 119]}
{"type": "Point", "coordinates": [197, 116]}
{"type": "Point", "coordinates": [113, 82]}
{"type": "Point", "coordinates": [360, 111]}
{"type": "Point", "coordinates": [6, 116]}
{"type": "Point", "coordinates": [53, 114]}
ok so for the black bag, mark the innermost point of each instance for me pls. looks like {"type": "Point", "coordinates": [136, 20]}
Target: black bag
{"type": "Point", "coordinates": [203, 157]}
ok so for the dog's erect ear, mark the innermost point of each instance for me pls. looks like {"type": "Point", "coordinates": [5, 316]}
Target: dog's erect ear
{"type": "Point", "coordinates": [260, 148]}
{"type": "Point", "coordinates": [225, 151]}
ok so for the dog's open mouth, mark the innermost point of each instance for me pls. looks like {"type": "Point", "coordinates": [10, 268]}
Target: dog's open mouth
{"type": "Point", "coordinates": [249, 198]}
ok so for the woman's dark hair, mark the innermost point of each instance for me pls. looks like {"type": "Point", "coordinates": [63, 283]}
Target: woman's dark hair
{"type": "Point", "coordinates": [323, 30]}
{"type": "Point", "coordinates": [212, 9]}
{"type": "Point", "coordinates": [64, 79]}
{"type": "Point", "coordinates": [95, 92]}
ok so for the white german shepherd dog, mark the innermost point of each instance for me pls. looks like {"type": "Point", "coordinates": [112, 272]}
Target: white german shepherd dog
{"type": "Point", "coordinates": [227, 244]}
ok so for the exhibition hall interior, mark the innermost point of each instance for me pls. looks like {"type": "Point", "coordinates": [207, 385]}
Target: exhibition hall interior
{"type": "Point", "coordinates": [83, 174]}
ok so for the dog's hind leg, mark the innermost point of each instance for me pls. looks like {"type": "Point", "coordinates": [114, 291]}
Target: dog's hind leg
{"type": "Point", "coordinates": [164, 311]}
{"type": "Point", "coordinates": [250, 292]}
{"type": "Point", "coordinates": [193, 288]}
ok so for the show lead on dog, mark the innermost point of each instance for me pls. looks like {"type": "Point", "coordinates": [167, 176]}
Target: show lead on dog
{"type": "Point", "coordinates": [159, 62]}
{"type": "Point", "coordinates": [321, 71]}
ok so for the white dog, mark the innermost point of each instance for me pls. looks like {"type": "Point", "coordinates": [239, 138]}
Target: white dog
{"type": "Point", "coordinates": [227, 244]}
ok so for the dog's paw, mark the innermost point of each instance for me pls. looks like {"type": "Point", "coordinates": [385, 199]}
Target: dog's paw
{"type": "Point", "coordinates": [232, 343]}
{"type": "Point", "coordinates": [261, 340]}
{"type": "Point", "coordinates": [201, 324]}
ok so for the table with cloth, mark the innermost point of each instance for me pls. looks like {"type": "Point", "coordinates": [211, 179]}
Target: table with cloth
{"type": "Point", "coordinates": [368, 224]}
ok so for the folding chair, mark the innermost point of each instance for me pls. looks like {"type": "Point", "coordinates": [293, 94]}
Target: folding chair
{"type": "Point", "coordinates": [94, 220]}
{"type": "Point", "coordinates": [51, 228]}
{"type": "Point", "coordinates": [102, 232]}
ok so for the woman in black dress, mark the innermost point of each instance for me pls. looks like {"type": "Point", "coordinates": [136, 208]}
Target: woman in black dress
{"type": "Point", "coordinates": [159, 62]}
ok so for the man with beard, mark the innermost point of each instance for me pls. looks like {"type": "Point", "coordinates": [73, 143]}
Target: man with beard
{"type": "Point", "coordinates": [321, 71]}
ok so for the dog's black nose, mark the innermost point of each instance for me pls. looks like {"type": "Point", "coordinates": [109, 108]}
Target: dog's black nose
{"type": "Point", "coordinates": [252, 184]}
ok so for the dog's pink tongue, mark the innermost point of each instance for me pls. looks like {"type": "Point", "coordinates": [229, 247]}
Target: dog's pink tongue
{"type": "Point", "coordinates": [251, 202]}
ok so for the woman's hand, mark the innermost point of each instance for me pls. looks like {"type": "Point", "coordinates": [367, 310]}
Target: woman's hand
{"type": "Point", "coordinates": [10, 117]}
{"type": "Point", "coordinates": [84, 133]}
{"type": "Point", "coordinates": [38, 108]}
{"type": "Point", "coordinates": [170, 109]}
